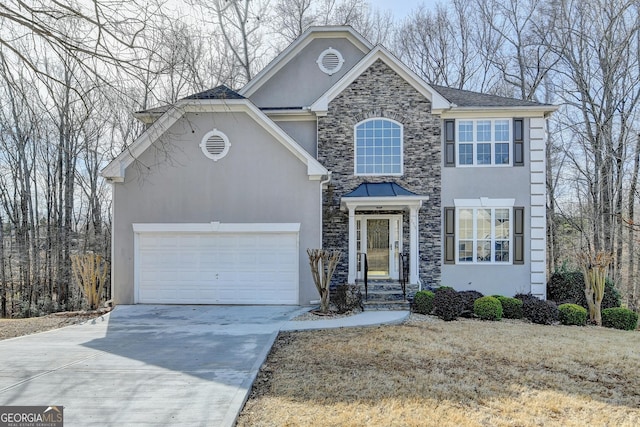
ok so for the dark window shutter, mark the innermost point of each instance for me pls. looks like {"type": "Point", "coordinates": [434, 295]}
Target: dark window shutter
{"type": "Point", "coordinates": [449, 235]}
{"type": "Point", "coordinates": [449, 142]}
{"type": "Point", "coordinates": [518, 235]}
{"type": "Point", "coordinates": [518, 142]}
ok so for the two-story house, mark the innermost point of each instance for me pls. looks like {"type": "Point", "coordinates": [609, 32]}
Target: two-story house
{"type": "Point", "coordinates": [335, 144]}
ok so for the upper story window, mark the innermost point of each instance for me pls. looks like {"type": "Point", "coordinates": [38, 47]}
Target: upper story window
{"type": "Point", "coordinates": [378, 147]}
{"type": "Point", "coordinates": [483, 142]}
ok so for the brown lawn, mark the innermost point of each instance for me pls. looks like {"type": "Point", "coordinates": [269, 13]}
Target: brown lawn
{"type": "Point", "coordinates": [461, 373]}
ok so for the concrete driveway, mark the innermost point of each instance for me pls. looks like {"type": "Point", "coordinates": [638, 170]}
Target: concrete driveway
{"type": "Point", "coordinates": [144, 365]}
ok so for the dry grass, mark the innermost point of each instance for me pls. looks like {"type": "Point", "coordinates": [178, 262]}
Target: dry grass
{"type": "Point", "coordinates": [462, 373]}
{"type": "Point", "coordinates": [11, 328]}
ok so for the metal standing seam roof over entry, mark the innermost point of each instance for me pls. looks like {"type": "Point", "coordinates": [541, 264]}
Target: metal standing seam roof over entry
{"type": "Point", "coordinates": [380, 189]}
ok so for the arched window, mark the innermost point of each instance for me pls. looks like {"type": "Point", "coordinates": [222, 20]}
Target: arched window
{"type": "Point", "coordinates": [378, 147]}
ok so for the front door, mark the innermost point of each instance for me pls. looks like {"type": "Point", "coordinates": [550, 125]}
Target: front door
{"type": "Point", "coordinates": [380, 238]}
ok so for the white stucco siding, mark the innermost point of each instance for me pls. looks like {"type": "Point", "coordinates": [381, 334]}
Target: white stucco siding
{"type": "Point", "coordinates": [300, 82]}
{"type": "Point", "coordinates": [259, 181]}
{"type": "Point", "coordinates": [305, 132]}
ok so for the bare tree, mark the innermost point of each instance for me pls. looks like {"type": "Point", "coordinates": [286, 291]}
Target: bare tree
{"type": "Point", "coordinates": [240, 23]}
{"type": "Point", "coordinates": [437, 44]}
{"type": "Point", "coordinates": [522, 53]}
{"type": "Point", "coordinates": [597, 45]}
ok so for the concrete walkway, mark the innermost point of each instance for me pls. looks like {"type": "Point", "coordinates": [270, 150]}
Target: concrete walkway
{"type": "Point", "coordinates": [367, 318]}
{"type": "Point", "coordinates": [153, 365]}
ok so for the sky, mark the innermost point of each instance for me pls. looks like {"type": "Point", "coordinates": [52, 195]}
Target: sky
{"type": "Point", "coordinates": [402, 8]}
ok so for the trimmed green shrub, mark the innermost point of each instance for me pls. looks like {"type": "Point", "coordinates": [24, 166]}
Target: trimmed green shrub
{"type": "Point", "coordinates": [572, 314]}
{"type": "Point", "coordinates": [620, 318]}
{"type": "Point", "coordinates": [423, 302]}
{"type": "Point", "coordinates": [468, 298]}
{"type": "Point", "coordinates": [537, 310]}
{"type": "Point", "coordinates": [488, 308]}
{"type": "Point", "coordinates": [568, 287]}
{"type": "Point", "coordinates": [511, 307]}
{"type": "Point", "coordinates": [447, 304]}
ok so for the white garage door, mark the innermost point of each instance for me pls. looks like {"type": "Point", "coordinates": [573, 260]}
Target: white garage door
{"type": "Point", "coordinates": [217, 263]}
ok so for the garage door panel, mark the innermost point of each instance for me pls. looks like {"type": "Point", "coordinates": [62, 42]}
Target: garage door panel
{"type": "Point", "coordinates": [217, 268]}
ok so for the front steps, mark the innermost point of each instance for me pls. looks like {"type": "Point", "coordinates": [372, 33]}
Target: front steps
{"type": "Point", "coordinates": [386, 295]}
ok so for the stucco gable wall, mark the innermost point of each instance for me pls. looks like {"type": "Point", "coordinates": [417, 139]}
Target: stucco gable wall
{"type": "Point", "coordinates": [173, 182]}
{"type": "Point", "coordinates": [380, 92]}
{"type": "Point", "coordinates": [300, 82]}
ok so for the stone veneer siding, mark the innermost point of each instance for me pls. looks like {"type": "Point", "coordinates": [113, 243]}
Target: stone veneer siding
{"type": "Point", "coordinates": [380, 92]}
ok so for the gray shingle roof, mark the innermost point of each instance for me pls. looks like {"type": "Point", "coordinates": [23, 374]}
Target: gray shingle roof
{"type": "Point", "coordinates": [467, 98]}
{"type": "Point", "coordinates": [218, 92]}
{"type": "Point", "coordinates": [379, 189]}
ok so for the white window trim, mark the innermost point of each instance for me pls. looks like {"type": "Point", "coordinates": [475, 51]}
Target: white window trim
{"type": "Point", "coordinates": [355, 147]}
{"type": "Point", "coordinates": [474, 255]}
{"type": "Point", "coordinates": [484, 202]}
{"type": "Point", "coordinates": [475, 142]}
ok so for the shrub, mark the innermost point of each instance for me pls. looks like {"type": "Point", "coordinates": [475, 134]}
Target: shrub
{"type": "Point", "coordinates": [539, 311]}
{"type": "Point", "coordinates": [511, 307]}
{"type": "Point", "coordinates": [620, 318]}
{"type": "Point", "coordinates": [568, 287]}
{"type": "Point", "coordinates": [423, 302]}
{"type": "Point", "coordinates": [572, 314]}
{"type": "Point", "coordinates": [468, 298]}
{"type": "Point", "coordinates": [347, 298]}
{"type": "Point", "coordinates": [488, 308]}
{"type": "Point", "coordinates": [447, 304]}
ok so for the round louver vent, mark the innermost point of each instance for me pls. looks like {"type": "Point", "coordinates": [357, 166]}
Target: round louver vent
{"type": "Point", "coordinates": [330, 61]}
{"type": "Point", "coordinates": [215, 145]}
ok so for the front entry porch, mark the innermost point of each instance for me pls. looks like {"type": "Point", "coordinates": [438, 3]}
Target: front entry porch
{"type": "Point", "coordinates": [378, 213]}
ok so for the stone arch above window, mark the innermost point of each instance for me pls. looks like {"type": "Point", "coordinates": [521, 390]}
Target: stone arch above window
{"type": "Point", "coordinates": [378, 147]}
{"type": "Point", "coordinates": [379, 113]}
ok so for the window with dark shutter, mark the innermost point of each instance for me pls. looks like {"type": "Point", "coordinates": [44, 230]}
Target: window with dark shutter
{"type": "Point", "coordinates": [450, 143]}
{"type": "Point", "coordinates": [518, 142]}
{"type": "Point", "coordinates": [518, 235]}
{"type": "Point", "coordinates": [449, 235]}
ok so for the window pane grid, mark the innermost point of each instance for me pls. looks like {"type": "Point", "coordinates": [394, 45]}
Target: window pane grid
{"type": "Point", "coordinates": [484, 235]}
{"type": "Point", "coordinates": [378, 147]}
{"type": "Point", "coordinates": [484, 142]}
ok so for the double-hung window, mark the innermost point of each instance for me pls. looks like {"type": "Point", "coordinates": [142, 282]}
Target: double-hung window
{"type": "Point", "coordinates": [484, 142]}
{"type": "Point", "coordinates": [484, 235]}
{"type": "Point", "coordinates": [378, 147]}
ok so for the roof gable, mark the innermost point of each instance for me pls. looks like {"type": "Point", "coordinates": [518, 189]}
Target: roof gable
{"type": "Point", "coordinates": [312, 33]}
{"type": "Point", "coordinates": [438, 102]}
{"type": "Point", "coordinates": [115, 170]}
